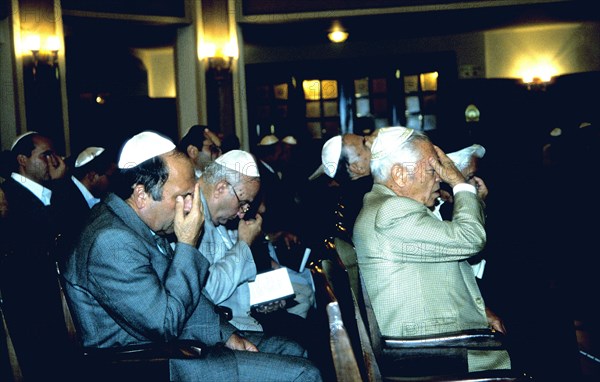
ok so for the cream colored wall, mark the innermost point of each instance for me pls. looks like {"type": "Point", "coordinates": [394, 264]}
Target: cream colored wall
{"type": "Point", "coordinates": [531, 51]}
{"type": "Point", "coordinates": [160, 66]}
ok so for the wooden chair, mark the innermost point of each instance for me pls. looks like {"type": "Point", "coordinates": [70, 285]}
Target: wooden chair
{"type": "Point", "coordinates": [427, 358]}
{"type": "Point", "coordinates": [148, 362]}
{"type": "Point", "coordinates": [346, 334]}
{"type": "Point", "coordinates": [9, 364]}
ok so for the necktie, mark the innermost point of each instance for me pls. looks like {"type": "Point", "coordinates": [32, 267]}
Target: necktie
{"type": "Point", "coordinates": [163, 245]}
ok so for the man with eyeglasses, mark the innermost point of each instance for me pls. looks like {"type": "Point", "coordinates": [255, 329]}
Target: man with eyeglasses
{"type": "Point", "coordinates": [227, 188]}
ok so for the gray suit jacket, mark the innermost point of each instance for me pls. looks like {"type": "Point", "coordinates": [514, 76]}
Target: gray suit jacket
{"type": "Point", "coordinates": [124, 290]}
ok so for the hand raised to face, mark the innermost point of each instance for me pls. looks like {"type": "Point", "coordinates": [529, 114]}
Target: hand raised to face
{"type": "Point", "coordinates": [446, 169]}
{"type": "Point", "coordinates": [248, 230]}
{"type": "Point", "coordinates": [189, 217]}
{"type": "Point", "coordinates": [56, 166]}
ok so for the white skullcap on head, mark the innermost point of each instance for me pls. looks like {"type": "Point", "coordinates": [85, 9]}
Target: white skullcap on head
{"type": "Point", "coordinates": [330, 155]}
{"type": "Point", "coordinates": [388, 140]}
{"type": "Point", "coordinates": [240, 161]}
{"type": "Point", "coordinates": [142, 147]}
{"type": "Point", "coordinates": [17, 139]}
{"type": "Point", "coordinates": [461, 158]}
{"type": "Point", "coordinates": [268, 140]}
{"type": "Point", "coordinates": [87, 155]}
{"type": "Point", "coordinates": [290, 140]}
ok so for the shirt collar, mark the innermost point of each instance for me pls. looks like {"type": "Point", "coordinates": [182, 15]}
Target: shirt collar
{"type": "Point", "coordinates": [268, 166]}
{"type": "Point", "coordinates": [89, 198]}
{"type": "Point", "coordinates": [42, 193]}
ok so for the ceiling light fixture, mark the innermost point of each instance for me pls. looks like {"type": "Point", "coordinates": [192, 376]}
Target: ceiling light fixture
{"type": "Point", "coordinates": [337, 33]}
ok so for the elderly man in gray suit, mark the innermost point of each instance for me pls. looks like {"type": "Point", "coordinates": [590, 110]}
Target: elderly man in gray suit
{"type": "Point", "coordinates": [128, 286]}
{"type": "Point", "coordinates": [415, 265]}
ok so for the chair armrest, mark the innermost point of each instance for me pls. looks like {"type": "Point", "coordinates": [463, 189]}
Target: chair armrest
{"type": "Point", "coordinates": [474, 338]}
{"type": "Point", "coordinates": [181, 349]}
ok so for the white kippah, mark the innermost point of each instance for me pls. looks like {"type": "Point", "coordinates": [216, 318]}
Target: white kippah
{"type": "Point", "coordinates": [21, 137]}
{"type": "Point", "coordinates": [290, 140]}
{"type": "Point", "coordinates": [268, 140]}
{"type": "Point", "coordinates": [143, 146]}
{"type": "Point", "coordinates": [388, 140]}
{"type": "Point", "coordinates": [87, 155]}
{"type": "Point", "coordinates": [330, 155]}
{"type": "Point", "coordinates": [240, 161]}
{"type": "Point", "coordinates": [461, 158]}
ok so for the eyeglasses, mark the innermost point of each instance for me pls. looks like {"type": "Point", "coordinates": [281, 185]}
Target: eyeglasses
{"type": "Point", "coordinates": [242, 205]}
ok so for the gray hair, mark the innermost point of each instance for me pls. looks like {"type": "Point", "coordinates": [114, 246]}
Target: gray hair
{"type": "Point", "coordinates": [215, 172]}
{"type": "Point", "coordinates": [405, 153]}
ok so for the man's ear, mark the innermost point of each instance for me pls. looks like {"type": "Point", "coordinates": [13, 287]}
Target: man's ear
{"type": "Point", "coordinates": [398, 175]}
{"type": "Point", "coordinates": [139, 196]}
{"type": "Point", "coordinates": [21, 159]}
{"type": "Point", "coordinates": [221, 188]}
{"type": "Point", "coordinates": [192, 151]}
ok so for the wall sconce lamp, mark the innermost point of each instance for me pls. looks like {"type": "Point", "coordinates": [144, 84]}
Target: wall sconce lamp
{"type": "Point", "coordinates": [220, 59]}
{"type": "Point", "coordinates": [537, 77]}
{"type": "Point", "coordinates": [537, 83]}
{"type": "Point", "coordinates": [48, 54]}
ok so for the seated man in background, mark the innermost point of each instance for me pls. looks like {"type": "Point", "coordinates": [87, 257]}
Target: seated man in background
{"type": "Point", "coordinates": [345, 158]}
{"type": "Point", "coordinates": [276, 196]}
{"type": "Point", "coordinates": [414, 265]}
{"type": "Point", "coordinates": [467, 161]}
{"type": "Point", "coordinates": [29, 230]}
{"type": "Point", "coordinates": [127, 285]}
{"type": "Point", "coordinates": [74, 197]}
{"type": "Point", "coordinates": [201, 145]}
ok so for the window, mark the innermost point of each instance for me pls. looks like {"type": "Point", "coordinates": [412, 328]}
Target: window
{"type": "Point", "coordinates": [420, 100]}
{"type": "Point", "coordinates": [322, 107]}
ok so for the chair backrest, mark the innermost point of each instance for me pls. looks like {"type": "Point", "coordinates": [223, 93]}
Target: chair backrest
{"type": "Point", "coordinates": [9, 363]}
{"type": "Point", "coordinates": [346, 254]}
{"type": "Point", "coordinates": [336, 278]}
{"type": "Point", "coordinates": [68, 317]}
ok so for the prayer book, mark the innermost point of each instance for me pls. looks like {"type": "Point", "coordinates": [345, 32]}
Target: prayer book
{"type": "Point", "coordinates": [270, 286]}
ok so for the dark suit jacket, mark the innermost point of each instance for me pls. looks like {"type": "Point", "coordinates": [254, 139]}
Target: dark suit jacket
{"type": "Point", "coordinates": [124, 290]}
{"type": "Point", "coordinates": [281, 213]}
{"type": "Point", "coordinates": [72, 211]}
{"type": "Point", "coordinates": [28, 282]}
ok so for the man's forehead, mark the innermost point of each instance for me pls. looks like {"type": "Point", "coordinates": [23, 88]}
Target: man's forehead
{"type": "Point", "coordinates": [42, 144]}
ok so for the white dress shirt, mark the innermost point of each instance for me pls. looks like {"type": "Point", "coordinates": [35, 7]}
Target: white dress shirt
{"type": "Point", "coordinates": [42, 193]}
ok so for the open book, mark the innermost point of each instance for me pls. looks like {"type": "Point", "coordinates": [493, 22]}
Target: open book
{"type": "Point", "coordinates": [270, 286]}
